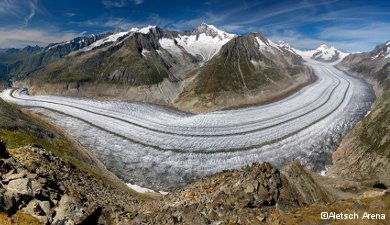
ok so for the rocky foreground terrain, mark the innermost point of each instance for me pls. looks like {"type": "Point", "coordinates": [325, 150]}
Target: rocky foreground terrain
{"type": "Point", "coordinates": [39, 188]}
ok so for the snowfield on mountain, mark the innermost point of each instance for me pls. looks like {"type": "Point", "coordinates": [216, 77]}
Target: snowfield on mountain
{"type": "Point", "coordinates": [324, 53]}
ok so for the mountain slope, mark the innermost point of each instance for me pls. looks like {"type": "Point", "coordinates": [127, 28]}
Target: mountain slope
{"type": "Point", "coordinates": [365, 153]}
{"type": "Point", "coordinates": [246, 65]}
{"type": "Point", "coordinates": [367, 63]}
{"type": "Point", "coordinates": [19, 63]}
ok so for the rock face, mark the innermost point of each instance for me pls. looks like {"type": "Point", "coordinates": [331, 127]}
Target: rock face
{"type": "Point", "coordinates": [37, 183]}
{"type": "Point", "coordinates": [367, 63]}
{"type": "Point", "coordinates": [364, 153]}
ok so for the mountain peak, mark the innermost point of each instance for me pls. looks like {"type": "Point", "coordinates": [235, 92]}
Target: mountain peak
{"type": "Point", "coordinates": [324, 53]}
{"type": "Point", "coordinates": [326, 47]}
{"type": "Point", "coordinates": [143, 30]}
{"type": "Point", "coordinates": [211, 30]}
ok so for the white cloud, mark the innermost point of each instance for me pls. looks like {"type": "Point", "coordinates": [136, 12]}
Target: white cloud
{"type": "Point", "coordinates": [363, 32]}
{"type": "Point", "coordinates": [33, 8]}
{"type": "Point", "coordinates": [10, 7]}
{"type": "Point", "coordinates": [123, 23]}
{"type": "Point", "coordinates": [18, 9]}
{"type": "Point", "coordinates": [18, 38]}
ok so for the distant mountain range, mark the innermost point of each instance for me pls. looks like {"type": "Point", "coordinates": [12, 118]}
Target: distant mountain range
{"type": "Point", "coordinates": [203, 69]}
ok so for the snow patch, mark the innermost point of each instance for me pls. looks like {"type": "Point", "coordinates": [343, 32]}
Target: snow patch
{"type": "Point", "coordinates": [264, 46]}
{"type": "Point", "coordinates": [146, 30]}
{"type": "Point", "coordinates": [204, 45]}
{"type": "Point", "coordinates": [143, 190]}
{"type": "Point", "coordinates": [170, 46]}
{"type": "Point", "coordinates": [145, 52]}
{"type": "Point", "coordinates": [60, 44]}
{"type": "Point", "coordinates": [382, 54]}
{"type": "Point", "coordinates": [109, 39]}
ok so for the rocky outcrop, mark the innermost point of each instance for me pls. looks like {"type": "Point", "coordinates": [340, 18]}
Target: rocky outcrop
{"type": "Point", "coordinates": [38, 183]}
{"type": "Point", "coordinates": [251, 195]}
{"type": "Point", "coordinates": [35, 182]}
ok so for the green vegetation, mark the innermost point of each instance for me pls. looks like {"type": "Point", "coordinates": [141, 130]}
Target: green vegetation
{"type": "Point", "coordinates": [124, 65]}
{"type": "Point", "coordinates": [375, 128]}
{"type": "Point", "coordinates": [19, 219]}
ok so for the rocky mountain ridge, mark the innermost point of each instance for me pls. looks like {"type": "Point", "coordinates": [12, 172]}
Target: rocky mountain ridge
{"type": "Point", "coordinates": [365, 153]}
{"type": "Point", "coordinates": [179, 69]}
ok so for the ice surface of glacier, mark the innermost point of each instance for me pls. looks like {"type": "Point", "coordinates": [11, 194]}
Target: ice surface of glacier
{"type": "Point", "coordinates": [160, 148]}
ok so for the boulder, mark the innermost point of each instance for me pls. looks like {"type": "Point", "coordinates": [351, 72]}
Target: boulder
{"type": "Point", "coordinates": [4, 154]}
{"type": "Point", "coordinates": [68, 211]}
{"type": "Point", "coordinates": [40, 210]}
{"type": "Point", "coordinates": [20, 186]}
{"type": "Point", "coordinates": [10, 177]}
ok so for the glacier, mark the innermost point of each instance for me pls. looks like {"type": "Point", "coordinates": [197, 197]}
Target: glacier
{"type": "Point", "coordinates": [160, 148]}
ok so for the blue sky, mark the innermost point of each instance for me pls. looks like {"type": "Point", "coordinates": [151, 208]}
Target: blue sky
{"type": "Point", "coordinates": [348, 25]}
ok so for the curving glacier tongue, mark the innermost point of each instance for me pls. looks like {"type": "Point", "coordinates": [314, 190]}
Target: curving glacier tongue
{"type": "Point", "coordinates": [160, 148]}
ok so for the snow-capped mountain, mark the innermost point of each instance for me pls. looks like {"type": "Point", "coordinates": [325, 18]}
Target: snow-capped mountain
{"type": "Point", "coordinates": [286, 46]}
{"type": "Point", "coordinates": [382, 51]}
{"type": "Point", "coordinates": [204, 41]}
{"type": "Point", "coordinates": [110, 39]}
{"type": "Point", "coordinates": [323, 53]}
{"type": "Point", "coordinates": [184, 67]}
{"type": "Point", "coordinates": [77, 43]}
{"type": "Point", "coordinates": [368, 62]}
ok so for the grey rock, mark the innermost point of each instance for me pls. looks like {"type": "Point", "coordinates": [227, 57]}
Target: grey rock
{"type": "Point", "coordinates": [15, 176]}
{"type": "Point", "coordinates": [20, 186]}
{"type": "Point", "coordinates": [39, 209]}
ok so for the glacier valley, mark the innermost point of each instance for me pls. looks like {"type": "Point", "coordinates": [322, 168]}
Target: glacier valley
{"type": "Point", "coordinates": [160, 148]}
